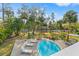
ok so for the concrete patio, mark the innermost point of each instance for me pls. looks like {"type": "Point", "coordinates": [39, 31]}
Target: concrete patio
{"type": "Point", "coordinates": [17, 49]}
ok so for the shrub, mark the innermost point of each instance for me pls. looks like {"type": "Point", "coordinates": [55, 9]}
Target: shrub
{"type": "Point", "coordinates": [77, 32]}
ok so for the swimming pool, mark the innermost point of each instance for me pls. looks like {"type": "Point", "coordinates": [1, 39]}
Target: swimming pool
{"type": "Point", "coordinates": [47, 47]}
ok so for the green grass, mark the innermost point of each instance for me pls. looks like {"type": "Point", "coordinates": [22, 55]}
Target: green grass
{"type": "Point", "coordinates": [6, 48]}
{"type": "Point", "coordinates": [74, 37]}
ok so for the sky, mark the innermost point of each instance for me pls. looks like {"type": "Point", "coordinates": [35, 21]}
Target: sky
{"type": "Point", "coordinates": [59, 9]}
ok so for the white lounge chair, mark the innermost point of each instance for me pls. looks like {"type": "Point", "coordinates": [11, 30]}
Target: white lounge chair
{"type": "Point", "coordinates": [33, 41]}
{"type": "Point", "coordinates": [28, 46]}
{"type": "Point", "coordinates": [26, 50]}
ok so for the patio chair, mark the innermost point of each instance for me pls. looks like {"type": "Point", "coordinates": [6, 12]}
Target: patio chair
{"type": "Point", "coordinates": [67, 43]}
{"type": "Point", "coordinates": [33, 40]}
{"type": "Point", "coordinates": [24, 48]}
{"type": "Point", "coordinates": [27, 51]}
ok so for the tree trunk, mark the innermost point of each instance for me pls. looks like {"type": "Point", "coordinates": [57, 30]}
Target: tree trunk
{"type": "Point", "coordinates": [16, 33]}
{"type": "Point", "coordinates": [3, 11]}
{"type": "Point", "coordinates": [68, 32]}
{"type": "Point", "coordinates": [33, 32]}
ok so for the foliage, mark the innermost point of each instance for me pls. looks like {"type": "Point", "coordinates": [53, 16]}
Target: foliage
{"type": "Point", "coordinates": [17, 25]}
{"type": "Point", "coordinates": [33, 19]}
{"type": "Point", "coordinates": [70, 16]}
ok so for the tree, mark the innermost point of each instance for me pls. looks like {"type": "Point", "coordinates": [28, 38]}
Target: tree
{"type": "Point", "coordinates": [24, 17]}
{"type": "Point", "coordinates": [3, 11]}
{"type": "Point", "coordinates": [17, 26]}
{"type": "Point", "coordinates": [23, 12]}
{"type": "Point", "coordinates": [9, 13]}
{"type": "Point", "coordinates": [7, 23]}
{"type": "Point", "coordinates": [52, 21]}
{"type": "Point", "coordinates": [60, 22]}
{"type": "Point", "coordinates": [52, 17]}
{"type": "Point", "coordinates": [36, 19]}
{"type": "Point", "coordinates": [70, 17]}
{"type": "Point", "coordinates": [50, 26]}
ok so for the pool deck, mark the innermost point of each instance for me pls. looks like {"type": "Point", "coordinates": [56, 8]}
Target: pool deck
{"type": "Point", "coordinates": [17, 49]}
{"type": "Point", "coordinates": [18, 44]}
{"type": "Point", "coordinates": [61, 43]}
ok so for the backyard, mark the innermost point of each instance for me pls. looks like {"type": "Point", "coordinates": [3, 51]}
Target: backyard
{"type": "Point", "coordinates": [31, 23]}
{"type": "Point", "coordinates": [7, 46]}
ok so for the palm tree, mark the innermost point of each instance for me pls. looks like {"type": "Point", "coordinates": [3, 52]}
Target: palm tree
{"type": "Point", "coordinates": [60, 22]}
{"type": "Point", "coordinates": [52, 17]}
{"type": "Point", "coordinates": [3, 11]}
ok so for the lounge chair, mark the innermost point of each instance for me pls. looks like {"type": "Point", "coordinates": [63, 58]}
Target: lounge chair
{"type": "Point", "coordinates": [33, 41]}
{"type": "Point", "coordinates": [28, 44]}
{"type": "Point", "coordinates": [67, 43]}
{"type": "Point", "coordinates": [24, 48]}
{"type": "Point", "coordinates": [27, 51]}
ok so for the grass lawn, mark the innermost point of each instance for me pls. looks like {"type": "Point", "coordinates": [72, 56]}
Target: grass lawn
{"type": "Point", "coordinates": [6, 48]}
{"type": "Point", "coordinates": [74, 37]}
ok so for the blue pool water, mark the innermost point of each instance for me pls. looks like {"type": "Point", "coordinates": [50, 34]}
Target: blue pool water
{"type": "Point", "coordinates": [47, 48]}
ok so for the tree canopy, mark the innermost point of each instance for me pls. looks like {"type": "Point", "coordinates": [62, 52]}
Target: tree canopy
{"type": "Point", "coordinates": [70, 16]}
